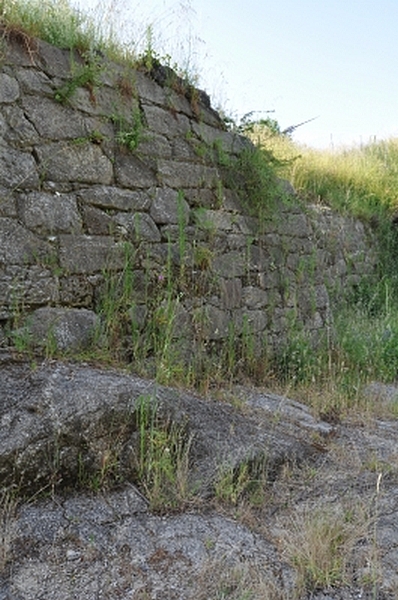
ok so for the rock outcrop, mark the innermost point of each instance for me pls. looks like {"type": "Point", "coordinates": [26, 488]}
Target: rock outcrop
{"type": "Point", "coordinates": [78, 533]}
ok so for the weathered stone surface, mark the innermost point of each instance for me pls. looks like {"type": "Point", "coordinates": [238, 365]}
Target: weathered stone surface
{"type": "Point", "coordinates": [110, 544]}
{"type": "Point", "coordinates": [89, 254]}
{"type": "Point", "coordinates": [49, 214]}
{"type": "Point", "coordinates": [217, 219]}
{"type": "Point", "coordinates": [232, 264]}
{"type": "Point", "coordinates": [69, 405]}
{"type": "Point", "coordinates": [168, 206]}
{"type": "Point", "coordinates": [20, 130]}
{"type": "Point", "coordinates": [54, 121]}
{"type": "Point", "coordinates": [153, 144]}
{"type": "Point", "coordinates": [81, 163]}
{"type": "Point", "coordinates": [18, 170]}
{"type": "Point", "coordinates": [9, 89]}
{"type": "Point", "coordinates": [58, 418]}
{"type": "Point", "coordinates": [165, 122]}
{"type": "Point", "coordinates": [24, 286]}
{"type": "Point", "coordinates": [34, 82]}
{"type": "Point", "coordinates": [18, 245]}
{"type": "Point", "coordinates": [212, 322]}
{"type": "Point", "coordinates": [255, 297]}
{"type": "Point", "coordinates": [96, 221]}
{"type": "Point", "coordinates": [149, 90]}
{"type": "Point", "coordinates": [8, 205]}
{"type": "Point", "coordinates": [130, 172]}
{"type": "Point", "coordinates": [231, 293]}
{"type": "Point", "coordinates": [222, 141]}
{"type": "Point", "coordinates": [78, 290]}
{"type": "Point", "coordinates": [138, 227]}
{"type": "Point", "coordinates": [55, 61]}
{"type": "Point", "coordinates": [116, 198]}
{"type": "Point", "coordinates": [62, 329]}
{"type": "Point", "coordinates": [186, 175]}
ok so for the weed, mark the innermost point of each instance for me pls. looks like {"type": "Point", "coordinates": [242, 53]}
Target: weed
{"type": "Point", "coordinates": [219, 580]}
{"type": "Point", "coordinates": [8, 527]}
{"type": "Point", "coordinates": [202, 257]}
{"type": "Point", "coordinates": [162, 461]}
{"type": "Point", "coordinates": [83, 75]}
{"type": "Point", "coordinates": [245, 482]}
{"type": "Point", "coordinates": [129, 133]}
{"type": "Point", "coordinates": [319, 544]}
{"type": "Point", "coordinates": [253, 176]}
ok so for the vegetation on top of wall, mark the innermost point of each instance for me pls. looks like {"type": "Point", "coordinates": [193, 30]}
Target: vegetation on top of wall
{"type": "Point", "coordinates": [360, 180]}
{"type": "Point", "coordinates": [54, 21]}
{"type": "Point", "coordinates": [60, 24]}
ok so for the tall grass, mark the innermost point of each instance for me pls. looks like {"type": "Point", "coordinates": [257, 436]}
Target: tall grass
{"type": "Point", "coordinates": [360, 180]}
{"type": "Point", "coordinates": [120, 32]}
{"type": "Point", "coordinates": [54, 21]}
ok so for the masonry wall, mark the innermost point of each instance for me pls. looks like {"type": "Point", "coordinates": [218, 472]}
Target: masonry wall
{"type": "Point", "coordinates": [112, 166]}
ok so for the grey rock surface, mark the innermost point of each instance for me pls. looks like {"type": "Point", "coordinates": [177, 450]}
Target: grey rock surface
{"type": "Point", "coordinates": [66, 329]}
{"type": "Point", "coordinates": [71, 410]}
{"type": "Point", "coordinates": [71, 542]}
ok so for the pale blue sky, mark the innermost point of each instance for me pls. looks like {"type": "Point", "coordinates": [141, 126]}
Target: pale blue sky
{"type": "Point", "coordinates": [336, 60]}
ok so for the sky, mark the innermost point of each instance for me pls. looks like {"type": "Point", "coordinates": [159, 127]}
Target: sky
{"type": "Point", "coordinates": [333, 61]}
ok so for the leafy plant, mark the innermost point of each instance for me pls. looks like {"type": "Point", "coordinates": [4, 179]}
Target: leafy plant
{"type": "Point", "coordinates": [129, 133]}
{"type": "Point", "coordinates": [85, 75]}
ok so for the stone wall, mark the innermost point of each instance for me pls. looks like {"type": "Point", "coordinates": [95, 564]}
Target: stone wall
{"type": "Point", "coordinates": [104, 168]}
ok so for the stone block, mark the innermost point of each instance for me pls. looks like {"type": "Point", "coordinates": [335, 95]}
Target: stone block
{"type": "Point", "coordinates": [20, 132]}
{"type": "Point", "coordinates": [166, 122]}
{"type": "Point", "coordinates": [231, 264]}
{"type": "Point", "coordinates": [49, 214]}
{"type": "Point", "coordinates": [79, 163]}
{"type": "Point", "coordinates": [231, 293]}
{"type": "Point", "coordinates": [9, 89]}
{"type": "Point", "coordinates": [131, 172]}
{"type": "Point", "coordinates": [53, 120]}
{"type": "Point", "coordinates": [137, 227]}
{"type": "Point", "coordinates": [169, 207]}
{"type": "Point", "coordinates": [149, 90]}
{"type": "Point", "coordinates": [180, 175]}
{"type": "Point", "coordinates": [54, 61]}
{"type": "Point", "coordinates": [153, 144]}
{"type": "Point", "coordinates": [89, 254]}
{"type": "Point", "coordinates": [20, 246]}
{"type": "Point", "coordinates": [254, 297]}
{"type": "Point", "coordinates": [32, 81]}
{"type": "Point", "coordinates": [24, 286]}
{"type": "Point", "coordinates": [66, 329]}
{"type": "Point", "coordinates": [76, 291]}
{"type": "Point", "coordinates": [96, 221]}
{"type": "Point", "coordinates": [18, 170]}
{"type": "Point", "coordinates": [8, 205]}
{"type": "Point", "coordinates": [256, 320]}
{"type": "Point", "coordinates": [109, 197]}
{"type": "Point", "coordinates": [211, 323]}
